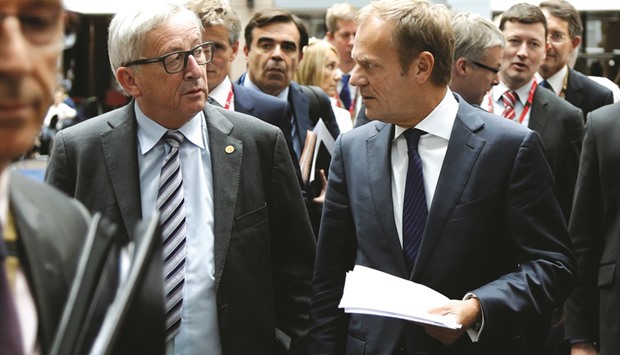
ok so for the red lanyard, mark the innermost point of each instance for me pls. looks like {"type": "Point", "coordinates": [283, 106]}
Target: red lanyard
{"type": "Point", "coordinates": [528, 103]}
{"type": "Point", "coordinates": [229, 99]}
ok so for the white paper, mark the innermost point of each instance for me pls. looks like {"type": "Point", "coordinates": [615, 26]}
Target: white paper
{"type": "Point", "coordinates": [374, 292]}
{"type": "Point", "coordinates": [322, 137]}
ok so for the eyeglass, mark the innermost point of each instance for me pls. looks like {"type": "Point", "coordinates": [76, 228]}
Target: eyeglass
{"type": "Point", "coordinates": [483, 66]}
{"type": "Point", "coordinates": [177, 61]}
{"type": "Point", "coordinates": [556, 37]}
{"type": "Point", "coordinates": [43, 28]}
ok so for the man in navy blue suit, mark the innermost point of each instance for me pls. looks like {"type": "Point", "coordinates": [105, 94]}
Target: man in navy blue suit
{"type": "Point", "coordinates": [492, 239]}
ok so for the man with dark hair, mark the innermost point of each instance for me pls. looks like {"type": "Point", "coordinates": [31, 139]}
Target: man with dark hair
{"type": "Point", "coordinates": [555, 72]}
{"type": "Point", "coordinates": [518, 97]}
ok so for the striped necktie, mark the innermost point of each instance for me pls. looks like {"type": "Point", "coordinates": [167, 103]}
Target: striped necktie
{"type": "Point", "coordinates": [509, 98]}
{"type": "Point", "coordinates": [171, 206]}
{"type": "Point", "coordinates": [415, 211]}
{"type": "Point", "coordinates": [345, 93]}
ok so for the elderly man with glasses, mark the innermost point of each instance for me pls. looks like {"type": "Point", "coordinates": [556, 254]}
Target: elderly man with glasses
{"type": "Point", "coordinates": [233, 219]}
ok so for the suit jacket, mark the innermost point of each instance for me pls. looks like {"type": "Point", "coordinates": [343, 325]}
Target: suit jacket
{"type": "Point", "coordinates": [51, 229]}
{"type": "Point", "coordinates": [585, 93]}
{"type": "Point", "coordinates": [494, 228]}
{"type": "Point", "coordinates": [560, 126]}
{"type": "Point", "coordinates": [591, 310]}
{"type": "Point", "coordinates": [264, 245]}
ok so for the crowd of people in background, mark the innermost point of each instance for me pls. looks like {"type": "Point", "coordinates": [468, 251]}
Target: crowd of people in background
{"type": "Point", "coordinates": [467, 155]}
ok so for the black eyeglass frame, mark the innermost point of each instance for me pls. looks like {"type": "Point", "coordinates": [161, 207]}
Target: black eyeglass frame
{"type": "Point", "coordinates": [185, 54]}
{"type": "Point", "coordinates": [483, 66]}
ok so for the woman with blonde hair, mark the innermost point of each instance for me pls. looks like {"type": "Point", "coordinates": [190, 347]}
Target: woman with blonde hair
{"type": "Point", "coordinates": [319, 67]}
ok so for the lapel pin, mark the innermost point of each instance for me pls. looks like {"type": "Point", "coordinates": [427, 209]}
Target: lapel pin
{"type": "Point", "coordinates": [229, 149]}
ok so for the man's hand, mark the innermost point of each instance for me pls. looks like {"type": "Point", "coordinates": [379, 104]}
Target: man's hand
{"type": "Point", "coordinates": [321, 197]}
{"type": "Point", "coordinates": [466, 313]}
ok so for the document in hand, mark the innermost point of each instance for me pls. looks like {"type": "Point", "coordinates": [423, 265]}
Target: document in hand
{"type": "Point", "coordinates": [317, 152]}
{"type": "Point", "coordinates": [374, 292]}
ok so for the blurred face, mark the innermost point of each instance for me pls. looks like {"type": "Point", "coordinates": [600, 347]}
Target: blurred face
{"type": "Point", "coordinates": [30, 45]}
{"type": "Point", "coordinates": [524, 52]}
{"type": "Point", "coordinates": [561, 47]}
{"type": "Point", "coordinates": [331, 75]}
{"type": "Point", "coordinates": [169, 99]}
{"type": "Point", "coordinates": [223, 54]}
{"type": "Point", "coordinates": [379, 75]}
{"type": "Point", "coordinates": [273, 56]}
{"type": "Point", "coordinates": [343, 39]}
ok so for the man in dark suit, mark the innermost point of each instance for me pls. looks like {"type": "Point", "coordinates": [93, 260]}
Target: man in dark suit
{"type": "Point", "coordinates": [241, 220]}
{"type": "Point", "coordinates": [559, 123]}
{"type": "Point", "coordinates": [274, 42]}
{"type": "Point", "coordinates": [492, 238]}
{"type": "Point", "coordinates": [555, 73]}
{"type": "Point", "coordinates": [41, 230]}
{"type": "Point", "coordinates": [591, 310]}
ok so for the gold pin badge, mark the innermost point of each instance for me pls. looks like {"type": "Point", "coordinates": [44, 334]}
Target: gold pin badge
{"type": "Point", "coordinates": [229, 149]}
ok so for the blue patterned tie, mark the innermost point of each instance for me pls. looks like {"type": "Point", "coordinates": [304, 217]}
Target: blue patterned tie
{"type": "Point", "coordinates": [171, 205]}
{"type": "Point", "coordinates": [415, 210]}
{"type": "Point", "coordinates": [10, 334]}
{"type": "Point", "coordinates": [345, 94]}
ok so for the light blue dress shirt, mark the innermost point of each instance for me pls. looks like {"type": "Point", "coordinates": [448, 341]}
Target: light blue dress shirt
{"type": "Point", "coordinates": [199, 332]}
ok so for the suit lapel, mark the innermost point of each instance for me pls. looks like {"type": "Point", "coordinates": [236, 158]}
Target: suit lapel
{"type": "Point", "coordinates": [120, 153]}
{"type": "Point", "coordinates": [463, 151]}
{"type": "Point", "coordinates": [378, 165]}
{"type": "Point", "coordinates": [226, 169]}
{"type": "Point", "coordinates": [574, 89]}
{"type": "Point", "coordinates": [540, 112]}
{"type": "Point", "coordinates": [301, 108]}
{"type": "Point", "coordinates": [242, 104]}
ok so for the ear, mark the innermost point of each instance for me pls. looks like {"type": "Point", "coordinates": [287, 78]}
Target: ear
{"type": "Point", "coordinates": [126, 78]}
{"type": "Point", "coordinates": [576, 42]}
{"type": "Point", "coordinates": [460, 66]}
{"type": "Point", "coordinates": [423, 66]}
{"type": "Point", "coordinates": [235, 50]}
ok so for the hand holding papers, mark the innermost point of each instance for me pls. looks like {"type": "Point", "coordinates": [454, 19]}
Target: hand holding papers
{"type": "Point", "coordinates": [374, 292]}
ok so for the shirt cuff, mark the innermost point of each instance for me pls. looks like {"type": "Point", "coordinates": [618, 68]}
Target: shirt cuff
{"type": "Point", "coordinates": [475, 330]}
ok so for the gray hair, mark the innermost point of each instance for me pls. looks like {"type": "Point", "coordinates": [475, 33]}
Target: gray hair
{"type": "Point", "coordinates": [129, 28]}
{"type": "Point", "coordinates": [473, 35]}
{"type": "Point", "coordinates": [217, 13]}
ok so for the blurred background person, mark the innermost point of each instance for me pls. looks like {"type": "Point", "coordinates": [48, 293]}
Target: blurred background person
{"type": "Point", "coordinates": [565, 28]}
{"type": "Point", "coordinates": [341, 29]}
{"type": "Point", "coordinates": [591, 312]}
{"type": "Point", "coordinates": [320, 67]}
{"type": "Point", "coordinates": [41, 230]}
{"type": "Point", "coordinates": [478, 52]}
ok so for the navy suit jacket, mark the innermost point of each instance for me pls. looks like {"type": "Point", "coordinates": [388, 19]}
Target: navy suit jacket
{"type": "Point", "coordinates": [494, 229]}
{"type": "Point", "coordinates": [591, 310]}
{"type": "Point", "coordinates": [560, 126]}
{"type": "Point", "coordinates": [585, 93]}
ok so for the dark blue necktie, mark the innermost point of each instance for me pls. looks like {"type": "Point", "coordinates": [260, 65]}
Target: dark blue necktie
{"type": "Point", "coordinates": [10, 334]}
{"type": "Point", "coordinates": [546, 85]}
{"type": "Point", "coordinates": [345, 94]}
{"type": "Point", "coordinates": [415, 211]}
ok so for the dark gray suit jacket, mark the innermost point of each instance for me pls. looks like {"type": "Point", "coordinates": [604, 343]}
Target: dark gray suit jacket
{"type": "Point", "coordinates": [264, 245]}
{"type": "Point", "coordinates": [494, 229]}
{"type": "Point", "coordinates": [560, 126]}
{"type": "Point", "coordinates": [591, 310]}
{"type": "Point", "coordinates": [51, 231]}
{"type": "Point", "coordinates": [585, 93]}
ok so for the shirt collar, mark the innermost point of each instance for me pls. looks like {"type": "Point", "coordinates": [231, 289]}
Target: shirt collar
{"type": "Point", "coordinates": [220, 92]}
{"type": "Point", "coordinates": [523, 91]}
{"type": "Point", "coordinates": [250, 85]}
{"type": "Point", "coordinates": [150, 132]}
{"type": "Point", "coordinates": [440, 121]}
{"type": "Point", "coordinates": [556, 80]}
{"type": "Point", "coordinates": [4, 196]}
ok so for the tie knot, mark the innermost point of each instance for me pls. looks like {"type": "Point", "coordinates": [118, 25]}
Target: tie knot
{"type": "Point", "coordinates": [510, 98]}
{"type": "Point", "coordinates": [545, 84]}
{"type": "Point", "coordinates": [345, 79]}
{"type": "Point", "coordinates": [413, 137]}
{"type": "Point", "coordinates": [173, 138]}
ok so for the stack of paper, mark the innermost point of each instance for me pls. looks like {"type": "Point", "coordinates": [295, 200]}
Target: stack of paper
{"type": "Point", "coordinates": [374, 292]}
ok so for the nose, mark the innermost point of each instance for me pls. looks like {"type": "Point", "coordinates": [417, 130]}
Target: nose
{"type": "Point", "coordinates": [522, 51]}
{"type": "Point", "coordinates": [357, 78]}
{"type": "Point", "coordinates": [193, 69]}
{"type": "Point", "coordinates": [15, 51]}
